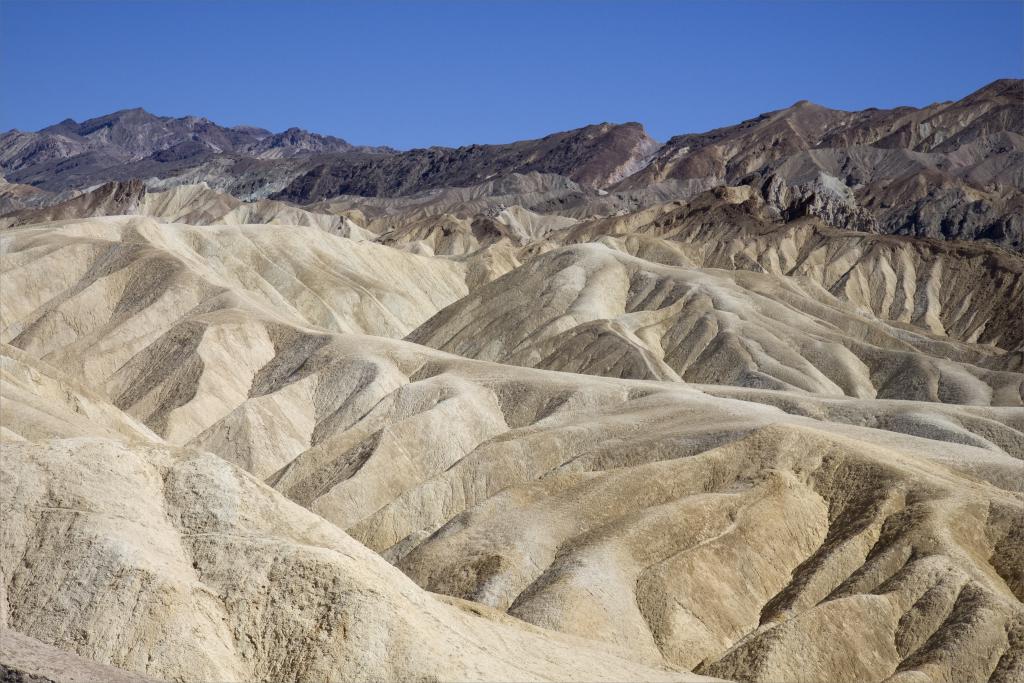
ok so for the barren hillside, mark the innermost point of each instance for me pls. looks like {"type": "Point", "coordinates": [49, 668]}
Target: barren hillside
{"type": "Point", "coordinates": [578, 408]}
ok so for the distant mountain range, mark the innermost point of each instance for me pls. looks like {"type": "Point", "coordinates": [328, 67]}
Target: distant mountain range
{"type": "Point", "coordinates": [135, 134]}
{"type": "Point", "coordinates": [953, 170]}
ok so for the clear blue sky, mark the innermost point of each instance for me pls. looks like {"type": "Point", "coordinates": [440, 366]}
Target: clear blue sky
{"type": "Point", "coordinates": [449, 73]}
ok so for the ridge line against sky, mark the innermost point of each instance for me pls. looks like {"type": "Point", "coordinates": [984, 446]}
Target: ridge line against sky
{"type": "Point", "coordinates": [454, 73]}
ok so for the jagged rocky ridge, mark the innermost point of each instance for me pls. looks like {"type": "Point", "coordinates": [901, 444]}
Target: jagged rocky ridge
{"type": "Point", "coordinates": [953, 170]}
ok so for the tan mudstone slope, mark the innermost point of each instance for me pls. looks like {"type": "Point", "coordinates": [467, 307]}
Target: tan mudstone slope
{"type": "Point", "coordinates": [177, 564]}
{"type": "Point", "coordinates": [647, 451]}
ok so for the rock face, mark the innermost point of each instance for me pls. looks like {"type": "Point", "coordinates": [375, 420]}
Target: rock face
{"type": "Point", "coordinates": [14, 196]}
{"type": "Point", "coordinates": [110, 199]}
{"type": "Point", "coordinates": [595, 156]}
{"type": "Point", "coordinates": [947, 171]}
{"type": "Point", "coordinates": [565, 419]}
{"type": "Point", "coordinates": [953, 170]}
{"type": "Point", "coordinates": [26, 660]}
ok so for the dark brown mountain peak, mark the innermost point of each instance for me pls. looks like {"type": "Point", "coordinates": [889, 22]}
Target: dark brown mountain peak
{"type": "Point", "coordinates": [594, 156]}
{"type": "Point", "coordinates": [1012, 88]}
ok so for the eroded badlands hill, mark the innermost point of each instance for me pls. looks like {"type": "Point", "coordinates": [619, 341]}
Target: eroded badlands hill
{"type": "Point", "coordinates": [175, 563]}
{"type": "Point", "coordinates": [550, 414]}
{"type": "Point", "coordinates": [631, 530]}
{"type": "Point", "coordinates": [694, 292]}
